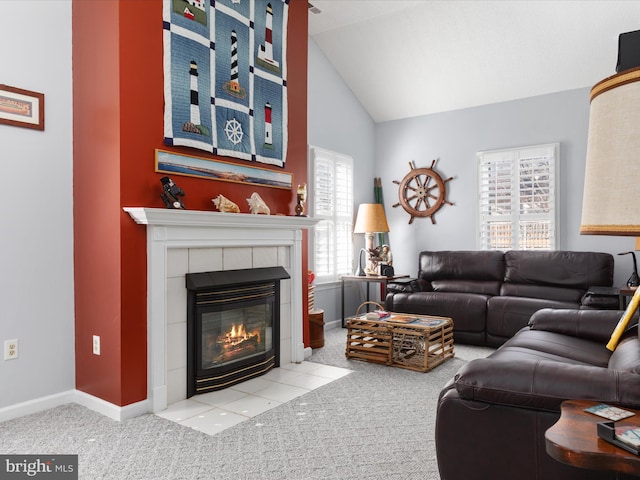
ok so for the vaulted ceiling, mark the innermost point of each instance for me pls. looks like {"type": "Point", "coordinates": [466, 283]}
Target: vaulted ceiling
{"type": "Point", "coordinates": [404, 58]}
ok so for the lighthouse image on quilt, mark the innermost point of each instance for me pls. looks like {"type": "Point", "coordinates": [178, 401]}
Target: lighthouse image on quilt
{"type": "Point", "coordinates": [265, 51]}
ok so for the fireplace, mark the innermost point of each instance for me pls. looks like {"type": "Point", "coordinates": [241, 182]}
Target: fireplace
{"type": "Point", "coordinates": [233, 323]}
{"type": "Point", "coordinates": [184, 241]}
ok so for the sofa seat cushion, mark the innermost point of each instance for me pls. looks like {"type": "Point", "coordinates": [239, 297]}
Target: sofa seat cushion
{"type": "Point", "coordinates": [533, 345]}
{"type": "Point", "coordinates": [467, 286]}
{"type": "Point", "coordinates": [507, 315]}
{"type": "Point", "coordinates": [468, 310]}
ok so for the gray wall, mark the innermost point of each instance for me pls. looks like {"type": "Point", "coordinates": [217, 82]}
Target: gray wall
{"type": "Point", "coordinates": [337, 121]}
{"type": "Point", "coordinates": [36, 245]}
{"type": "Point", "coordinates": [454, 138]}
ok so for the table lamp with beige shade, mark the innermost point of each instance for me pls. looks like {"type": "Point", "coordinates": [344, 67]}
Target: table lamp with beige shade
{"type": "Point", "coordinates": [369, 220]}
{"type": "Point", "coordinates": [612, 175]}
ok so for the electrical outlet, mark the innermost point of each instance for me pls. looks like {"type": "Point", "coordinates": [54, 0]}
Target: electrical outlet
{"type": "Point", "coordinates": [96, 345]}
{"type": "Point", "coordinates": [11, 349]}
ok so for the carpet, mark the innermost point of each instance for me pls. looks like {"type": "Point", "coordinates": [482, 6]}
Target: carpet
{"type": "Point", "coordinates": [376, 423]}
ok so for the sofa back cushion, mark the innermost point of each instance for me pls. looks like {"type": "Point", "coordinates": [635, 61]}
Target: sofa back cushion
{"type": "Point", "coordinates": [577, 270]}
{"type": "Point", "coordinates": [463, 271]}
{"type": "Point", "coordinates": [626, 356]}
{"type": "Point", "coordinates": [545, 292]}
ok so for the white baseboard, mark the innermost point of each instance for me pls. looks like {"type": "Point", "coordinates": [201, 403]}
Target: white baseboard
{"type": "Point", "coordinates": [328, 325]}
{"type": "Point", "coordinates": [36, 405]}
{"type": "Point", "coordinates": [75, 396]}
{"type": "Point", "coordinates": [109, 409]}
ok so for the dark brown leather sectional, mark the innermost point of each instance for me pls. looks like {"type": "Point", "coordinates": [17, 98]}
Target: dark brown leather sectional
{"type": "Point", "coordinates": [490, 295]}
{"type": "Point", "coordinates": [493, 414]}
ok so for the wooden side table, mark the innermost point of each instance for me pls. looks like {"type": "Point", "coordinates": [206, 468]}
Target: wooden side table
{"type": "Point", "coordinates": [574, 440]}
{"type": "Point", "coordinates": [625, 293]}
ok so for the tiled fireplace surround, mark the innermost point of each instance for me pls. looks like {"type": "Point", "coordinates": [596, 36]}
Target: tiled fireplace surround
{"type": "Point", "coordinates": [180, 242]}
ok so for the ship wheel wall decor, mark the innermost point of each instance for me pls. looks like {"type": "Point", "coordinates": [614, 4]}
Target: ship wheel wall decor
{"type": "Point", "coordinates": [422, 192]}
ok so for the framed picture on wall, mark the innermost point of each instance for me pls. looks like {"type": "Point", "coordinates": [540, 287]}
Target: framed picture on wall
{"type": "Point", "coordinates": [190, 166]}
{"type": "Point", "coordinates": [21, 108]}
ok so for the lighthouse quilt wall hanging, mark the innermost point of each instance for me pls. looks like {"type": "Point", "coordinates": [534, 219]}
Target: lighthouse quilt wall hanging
{"type": "Point", "coordinates": [225, 77]}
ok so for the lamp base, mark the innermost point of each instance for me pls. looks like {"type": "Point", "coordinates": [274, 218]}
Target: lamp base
{"type": "Point", "coordinates": [360, 270]}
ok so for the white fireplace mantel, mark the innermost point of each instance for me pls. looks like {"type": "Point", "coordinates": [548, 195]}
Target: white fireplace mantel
{"type": "Point", "coordinates": [169, 229]}
{"type": "Point", "coordinates": [194, 218]}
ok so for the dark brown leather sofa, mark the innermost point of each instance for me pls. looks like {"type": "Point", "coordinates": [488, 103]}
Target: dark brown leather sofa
{"type": "Point", "coordinates": [493, 414]}
{"type": "Point", "coordinates": [490, 295]}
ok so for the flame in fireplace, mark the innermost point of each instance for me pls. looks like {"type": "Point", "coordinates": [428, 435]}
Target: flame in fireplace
{"type": "Point", "coordinates": [237, 342]}
{"type": "Point", "coordinates": [238, 335]}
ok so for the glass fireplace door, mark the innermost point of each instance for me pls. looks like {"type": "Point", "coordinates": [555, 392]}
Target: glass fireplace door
{"type": "Point", "coordinates": [235, 334]}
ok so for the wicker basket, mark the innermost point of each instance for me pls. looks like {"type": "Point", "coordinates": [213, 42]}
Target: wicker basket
{"type": "Point", "coordinates": [422, 349]}
{"type": "Point", "coordinates": [419, 346]}
{"type": "Point", "coordinates": [369, 340]}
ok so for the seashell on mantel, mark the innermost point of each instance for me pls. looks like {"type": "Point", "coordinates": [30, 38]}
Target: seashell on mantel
{"type": "Point", "coordinates": [257, 205]}
{"type": "Point", "coordinates": [223, 204]}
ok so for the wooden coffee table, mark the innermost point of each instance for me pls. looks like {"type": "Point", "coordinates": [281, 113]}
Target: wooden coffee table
{"type": "Point", "coordinates": [419, 345]}
{"type": "Point", "coordinates": [574, 440]}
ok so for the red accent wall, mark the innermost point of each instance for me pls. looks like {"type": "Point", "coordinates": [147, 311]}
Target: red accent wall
{"type": "Point", "coordinates": [118, 123]}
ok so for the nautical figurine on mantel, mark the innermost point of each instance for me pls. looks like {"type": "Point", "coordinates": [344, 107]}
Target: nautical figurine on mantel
{"type": "Point", "coordinates": [257, 205]}
{"type": "Point", "coordinates": [171, 193]}
{"type": "Point", "coordinates": [223, 204]}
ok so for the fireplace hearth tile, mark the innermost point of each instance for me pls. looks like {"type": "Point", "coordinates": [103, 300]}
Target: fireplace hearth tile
{"type": "Point", "coordinates": [213, 421]}
{"type": "Point", "coordinates": [220, 398]}
{"type": "Point", "coordinates": [309, 382]}
{"type": "Point", "coordinates": [281, 392]}
{"type": "Point", "coordinates": [184, 409]}
{"type": "Point", "coordinates": [252, 386]}
{"type": "Point", "coordinates": [329, 371]}
{"type": "Point", "coordinates": [281, 375]}
{"type": "Point", "coordinates": [213, 412]}
{"type": "Point", "coordinates": [250, 406]}
{"type": "Point", "coordinates": [302, 367]}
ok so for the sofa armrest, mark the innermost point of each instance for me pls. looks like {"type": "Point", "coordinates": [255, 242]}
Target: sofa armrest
{"type": "Point", "coordinates": [544, 384]}
{"type": "Point", "coordinates": [603, 298]}
{"type": "Point", "coordinates": [596, 325]}
{"type": "Point", "coordinates": [399, 285]}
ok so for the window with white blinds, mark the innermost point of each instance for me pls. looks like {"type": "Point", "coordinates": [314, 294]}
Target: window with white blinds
{"type": "Point", "coordinates": [518, 198]}
{"type": "Point", "coordinates": [331, 200]}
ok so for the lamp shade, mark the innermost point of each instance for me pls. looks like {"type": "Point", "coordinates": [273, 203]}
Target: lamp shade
{"type": "Point", "coordinates": [611, 202]}
{"type": "Point", "coordinates": [370, 219]}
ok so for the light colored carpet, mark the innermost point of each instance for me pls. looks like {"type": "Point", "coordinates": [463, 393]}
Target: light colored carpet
{"type": "Point", "coordinates": [376, 423]}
